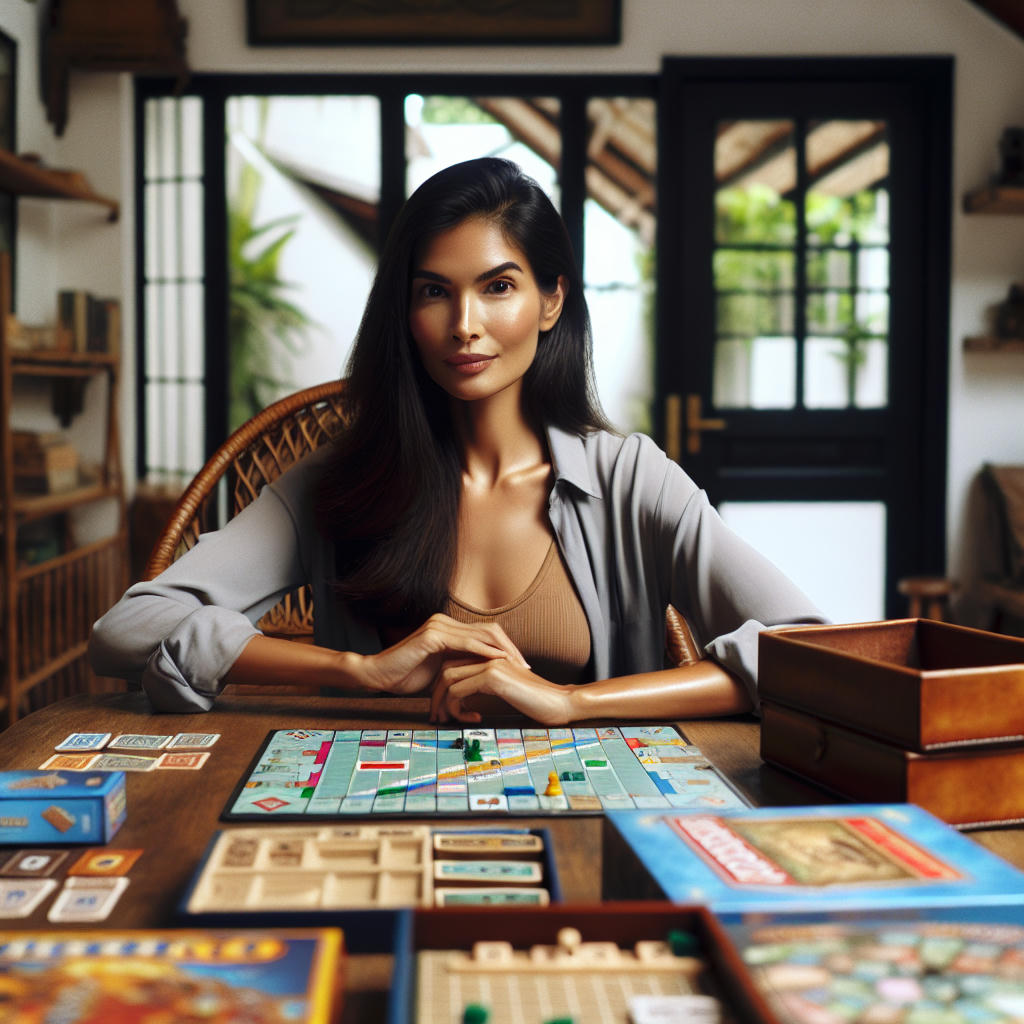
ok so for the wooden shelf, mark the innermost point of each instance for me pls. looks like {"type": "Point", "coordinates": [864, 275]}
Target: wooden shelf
{"type": "Point", "coordinates": [24, 176]}
{"type": "Point", "coordinates": [38, 506]}
{"type": "Point", "coordinates": [49, 363]}
{"type": "Point", "coordinates": [983, 343]}
{"type": "Point", "coordinates": [995, 199]}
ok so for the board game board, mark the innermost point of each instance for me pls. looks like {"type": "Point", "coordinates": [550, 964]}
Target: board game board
{"type": "Point", "coordinates": [300, 774]}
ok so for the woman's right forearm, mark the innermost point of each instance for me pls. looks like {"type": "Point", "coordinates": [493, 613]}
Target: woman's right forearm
{"type": "Point", "coordinates": [275, 662]}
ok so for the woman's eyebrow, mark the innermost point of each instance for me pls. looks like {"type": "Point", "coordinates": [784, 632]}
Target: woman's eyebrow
{"type": "Point", "coordinates": [501, 268]}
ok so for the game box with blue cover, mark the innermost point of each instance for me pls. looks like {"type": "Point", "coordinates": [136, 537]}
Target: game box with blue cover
{"type": "Point", "coordinates": [801, 858]}
{"type": "Point", "coordinates": [306, 774]}
{"type": "Point", "coordinates": [60, 807]}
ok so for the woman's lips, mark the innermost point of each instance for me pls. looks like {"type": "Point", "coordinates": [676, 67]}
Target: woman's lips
{"type": "Point", "coordinates": [468, 362]}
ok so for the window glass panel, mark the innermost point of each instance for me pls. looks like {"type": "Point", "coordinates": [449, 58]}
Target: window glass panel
{"type": "Point", "coordinates": [755, 373]}
{"type": "Point", "coordinates": [618, 254]}
{"type": "Point", "coordinates": [833, 551]}
{"type": "Point", "coordinates": [302, 211]}
{"type": "Point", "coordinates": [847, 227]}
{"type": "Point", "coordinates": [444, 130]}
{"type": "Point", "coordinates": [754, 264]}
{"type": "Point", "coordinates": [173, 287]}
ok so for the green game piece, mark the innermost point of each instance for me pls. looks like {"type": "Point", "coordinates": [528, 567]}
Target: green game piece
{"type": "Point", "coordinates": [682, 943]}
{"type": "Point", "coordinates": [566, 776]}
{"type": "Point", "coordinates": [474, 1013]}
{"type": "Point", "coordinates": [473, 751]}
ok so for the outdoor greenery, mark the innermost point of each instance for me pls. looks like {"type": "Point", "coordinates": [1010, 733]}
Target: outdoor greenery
{"type": "Point", "coordinates": [755, 270]}
{"type": "Point", "coordinates": [262, 323]}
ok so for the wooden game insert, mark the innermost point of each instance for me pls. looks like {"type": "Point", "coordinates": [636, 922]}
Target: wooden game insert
{"type": "Point", "coordinates": [596, 981]}
{"type": "Point", "coordinates": [296, 868]}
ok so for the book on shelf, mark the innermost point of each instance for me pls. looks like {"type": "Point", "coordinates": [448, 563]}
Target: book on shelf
{"type": "Point", "coordinates": [87, 322]}
{"type": "Point", "coordinates": [30, 337]}
{"type": "Point", "coordinates": [44, 463]}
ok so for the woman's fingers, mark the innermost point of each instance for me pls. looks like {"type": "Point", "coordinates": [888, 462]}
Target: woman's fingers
{"type": "Point", "coordinates": [411, 665]}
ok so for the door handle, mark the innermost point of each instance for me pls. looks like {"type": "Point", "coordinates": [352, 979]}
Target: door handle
{"type": "Point", "coordinates": [696, 424]}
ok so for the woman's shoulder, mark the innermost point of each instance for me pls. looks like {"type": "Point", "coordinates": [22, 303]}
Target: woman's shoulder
{"type": "Point", "coordinates": [297, 485]}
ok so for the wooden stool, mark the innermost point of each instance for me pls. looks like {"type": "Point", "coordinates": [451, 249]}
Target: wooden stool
{"type": "Point", "coordinates": [928, 596]}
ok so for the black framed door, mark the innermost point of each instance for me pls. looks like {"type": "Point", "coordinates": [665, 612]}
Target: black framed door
{"type": "Point", "coordinates": [803, 298]}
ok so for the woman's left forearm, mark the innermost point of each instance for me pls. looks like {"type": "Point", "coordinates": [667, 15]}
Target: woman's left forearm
{"type": "Point", "coordinates": [702, 690]}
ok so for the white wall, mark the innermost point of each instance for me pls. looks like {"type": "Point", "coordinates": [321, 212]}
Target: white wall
{"type": "Point", "coordinates": [988, 252]}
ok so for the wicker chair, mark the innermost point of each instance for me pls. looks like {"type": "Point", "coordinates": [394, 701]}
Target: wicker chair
{"type": "Point", "coordinates": [258, 452]}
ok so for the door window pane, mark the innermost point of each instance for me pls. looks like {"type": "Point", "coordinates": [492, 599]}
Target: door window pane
{"type": "Point", "coordinates": [847, 232]}
{"type": "Point", "coordinates": [754, 265]}
{"type": "Point", "coordinates": [618, 254]}
{"type": "Point", "coordinates": [303, 192]}
{"type": "Point", "coordinates": [833, 551]}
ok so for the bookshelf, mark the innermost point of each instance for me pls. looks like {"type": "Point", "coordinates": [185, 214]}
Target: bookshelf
{"type": "Point", "coordinates": [54, 588]}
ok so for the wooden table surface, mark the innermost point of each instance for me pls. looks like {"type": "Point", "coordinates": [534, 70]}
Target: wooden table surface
{"type": "Point", "coordinates": [173, 814]}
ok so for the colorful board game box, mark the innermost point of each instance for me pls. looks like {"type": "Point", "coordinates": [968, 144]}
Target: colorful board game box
{"type": "Point", "coordinates": [98, 977]}
{"type": "Point", "coordinates": [303, 774]}
{"type": "Point", "coordinates": [952, 964]}
{"type": "Point", "coordinates": [58, 807]}
{"type": "Point", "coordinates": [793, 858]}
{"type": "Point", "coordinates": [360, 875]}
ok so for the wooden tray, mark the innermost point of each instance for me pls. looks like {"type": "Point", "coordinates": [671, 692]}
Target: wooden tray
{"type": "Point", "coordinates": [969, 786]}
{"type": "Point", "coordinates": [622, 923]}
{"type": "Point", "coordinates": [920, 684]}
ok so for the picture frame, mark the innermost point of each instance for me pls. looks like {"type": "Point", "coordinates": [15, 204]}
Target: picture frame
{"type": "Point", "coordinates": [8, 110]}
{"type": "Point", "coordinates": [433, 22]}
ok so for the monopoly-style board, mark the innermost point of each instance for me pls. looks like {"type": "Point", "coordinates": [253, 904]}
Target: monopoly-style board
{"type": "Point", "coordinates": [301, 774]}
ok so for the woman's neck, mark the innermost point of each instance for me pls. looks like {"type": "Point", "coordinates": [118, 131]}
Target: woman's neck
{"type": "Point", "coordinates": [496, 439]}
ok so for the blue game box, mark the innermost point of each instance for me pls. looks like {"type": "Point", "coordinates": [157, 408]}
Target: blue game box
{"type": "Point", "coordinates": [801, 858]}
{"type": "Point", "coordinates": [58, 807]}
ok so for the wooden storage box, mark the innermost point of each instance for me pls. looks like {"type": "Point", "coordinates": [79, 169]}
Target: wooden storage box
{"type": "Point", "coordinates": [623, 923]}
{"type": "Point", "coordinates": [966, 786]}
{"type": "Point", "coordinates": [916, 683]}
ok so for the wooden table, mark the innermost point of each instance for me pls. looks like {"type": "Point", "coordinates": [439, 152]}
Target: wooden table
{"type": "Point", "coordinates": [172, 814]}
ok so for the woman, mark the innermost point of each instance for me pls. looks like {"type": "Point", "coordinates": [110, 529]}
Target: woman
{"type": "Point", "coordinates": [478, 531]}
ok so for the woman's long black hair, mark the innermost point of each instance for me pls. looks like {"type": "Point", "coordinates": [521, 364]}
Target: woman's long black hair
{"type": "Point", "coordinates": [389, 498]}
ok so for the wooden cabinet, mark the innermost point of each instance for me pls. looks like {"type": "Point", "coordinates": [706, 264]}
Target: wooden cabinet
{"type": "Point", "coordinates": [50, 601]}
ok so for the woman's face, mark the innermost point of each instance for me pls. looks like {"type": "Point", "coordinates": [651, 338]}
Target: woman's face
{"type": "Point", "coordinates": [476, 310]}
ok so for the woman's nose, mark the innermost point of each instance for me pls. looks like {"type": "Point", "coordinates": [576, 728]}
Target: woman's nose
{"type": "Point", "coordinates": [467, 320]}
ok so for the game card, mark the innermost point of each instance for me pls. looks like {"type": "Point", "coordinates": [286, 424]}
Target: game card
{"type": "Point", "coordinates": [84, 741]}
{"type": "Point", "coordinates": [123, 763]}
{"type": "Point", "coordinates": [139, 741]}
{"type": "Point", "coordinates": [491, 896]}
{"type": "Point", "coordinates": [179, 759]}
{"type": "Point", "coordinates": [69, 762]}
{"type": "Point", "coordinates": [193, 739]}
{"type": "Point", "coordinates": [87, 899]}
{"type": "Point", "coordinates": [19, 897]}
{"type": "Point", "coordinates": [33, 863]}
{"type": "Point", "coordinates": [688, 1009]}
{"type": "Point", "coordinates": [480, 872]}
{"type": "Point", "coordinates": [480, 844]}
{"type": "Point", "coordinates": [102, 862]}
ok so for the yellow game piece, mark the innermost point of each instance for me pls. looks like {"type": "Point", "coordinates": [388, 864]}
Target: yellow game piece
{"type": "Point", "coordinates": [554, 786]}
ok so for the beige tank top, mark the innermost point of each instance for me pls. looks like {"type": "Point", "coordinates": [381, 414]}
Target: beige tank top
{"type": "Point", "coordinates": [546, 623]}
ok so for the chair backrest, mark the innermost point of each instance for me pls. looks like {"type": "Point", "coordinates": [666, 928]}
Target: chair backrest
{"type": "Point", "coordinates": [256, 453]}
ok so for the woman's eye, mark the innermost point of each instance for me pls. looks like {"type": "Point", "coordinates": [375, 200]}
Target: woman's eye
{"type": "Point", "coordinates": [500, 287]}
{"type": "Point", "coordinates": [432, 291]}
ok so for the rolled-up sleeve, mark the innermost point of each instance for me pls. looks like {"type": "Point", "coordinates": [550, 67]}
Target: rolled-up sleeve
{"type": "Point", "coordinates": [179, 634]}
